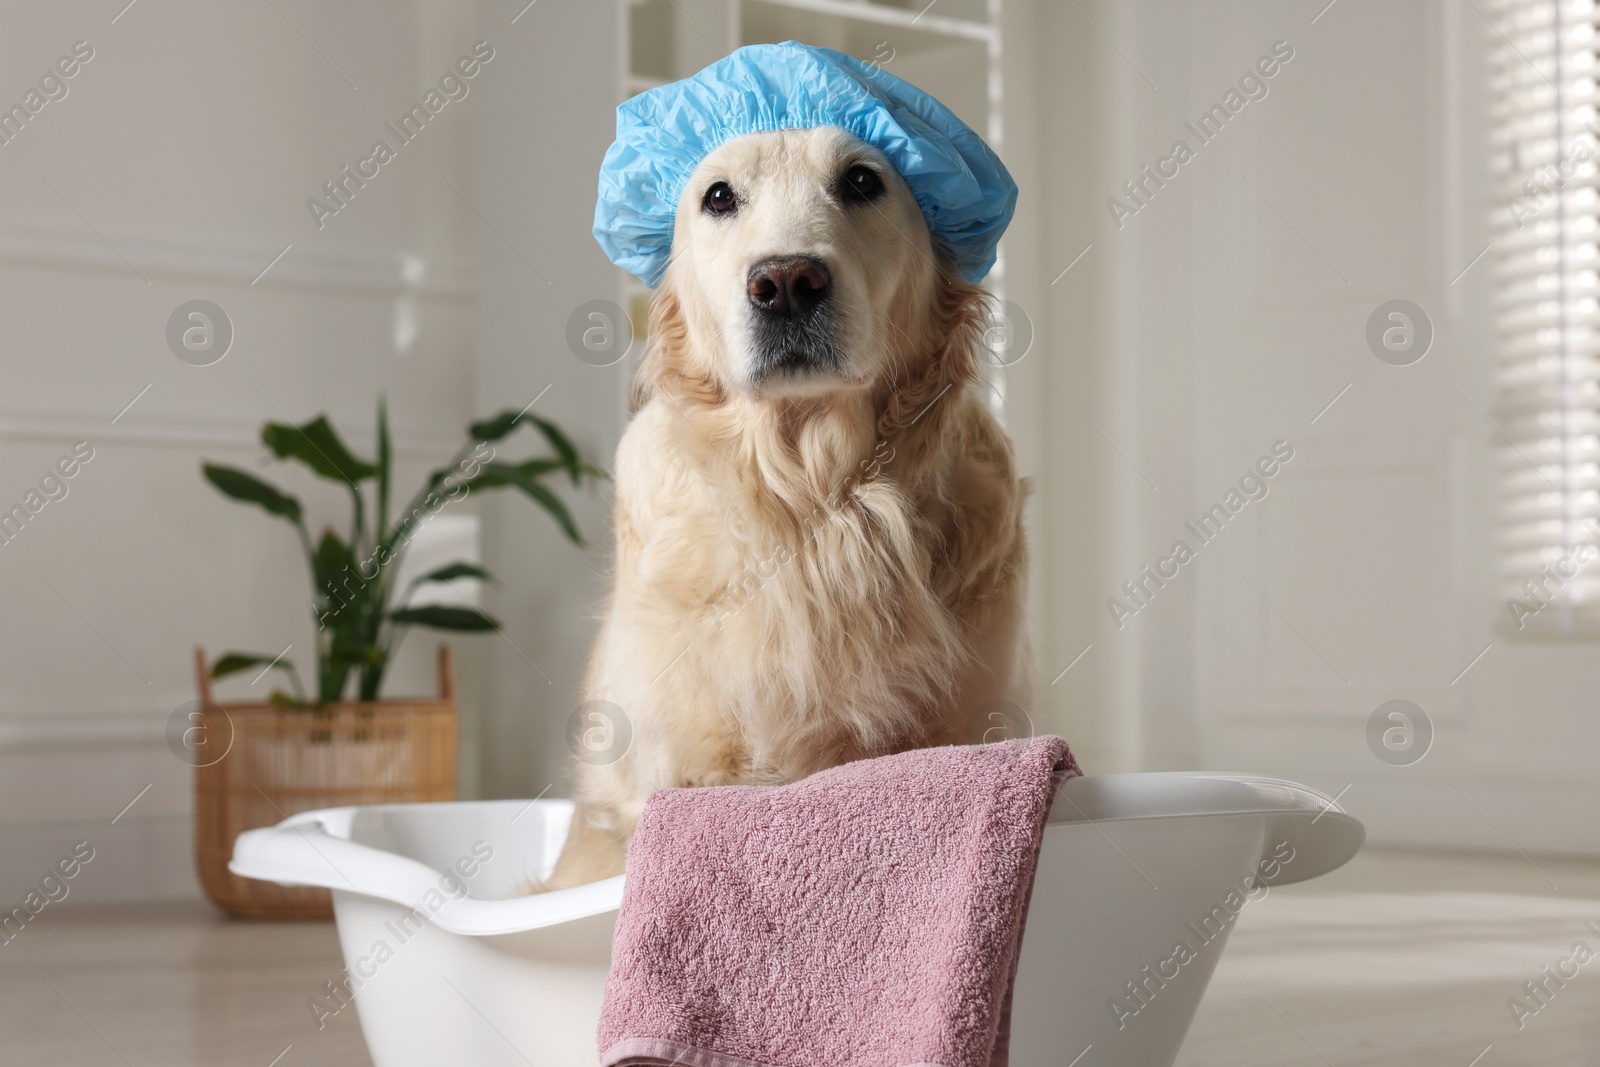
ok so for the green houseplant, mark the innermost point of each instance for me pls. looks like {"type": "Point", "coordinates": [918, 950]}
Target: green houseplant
{"type": "Point", "coordinates": [361, 614]}
{"type": "Point", "coordinates": [298, 751]}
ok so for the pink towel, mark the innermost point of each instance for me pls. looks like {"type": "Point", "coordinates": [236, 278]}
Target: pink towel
{"type": "Point", "coordinates": [868, 916]}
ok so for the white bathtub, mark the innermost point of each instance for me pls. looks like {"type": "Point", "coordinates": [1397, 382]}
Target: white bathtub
{"type": "Point", "coordinates": [1132, 866]}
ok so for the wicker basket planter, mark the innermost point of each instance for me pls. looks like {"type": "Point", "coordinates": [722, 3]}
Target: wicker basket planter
{"type": "Point", "coordinates": [283, 761]}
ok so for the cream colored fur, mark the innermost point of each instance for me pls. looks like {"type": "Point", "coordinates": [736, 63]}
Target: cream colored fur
{"type": "Point", "coordinates": [814, 573]}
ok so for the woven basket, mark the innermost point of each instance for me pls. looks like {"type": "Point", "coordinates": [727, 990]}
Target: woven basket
{"type": "Point", "coordinates": [282, 761]}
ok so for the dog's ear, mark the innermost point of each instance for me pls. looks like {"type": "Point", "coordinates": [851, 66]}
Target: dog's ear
{"type": "Point", "coordinates": [956, 323]}
{"type": "Point", "coordinates": [961, 312]}
{"type": "Point", "coordinates": [666, 367]}
{"type": "Point", "coordinates": [667, 334]}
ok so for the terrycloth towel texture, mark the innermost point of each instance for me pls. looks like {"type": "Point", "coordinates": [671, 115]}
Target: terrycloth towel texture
{"type": "Point", "coordinates": [868, 916]}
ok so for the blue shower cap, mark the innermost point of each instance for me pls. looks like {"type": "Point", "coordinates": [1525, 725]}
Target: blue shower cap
{"type": "Point", "coordinates": [965, 192]}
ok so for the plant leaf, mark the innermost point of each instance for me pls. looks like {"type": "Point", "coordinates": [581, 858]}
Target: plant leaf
{"type": "Point", "coordinates": [364, 655]}
{"type": "Point", "coordinates": [318, 446]}
{"type": "Point", "coordinates": [496, 427]}
{"type": "Point", "coordinates": [332, 560]}
{"type": "Point", "coordinates": [443, 617]}
{"type": "Point", "coordinates": [234, 662]}
{"type": "Point", "coordinates": [541, 466]}
{"type": "Point", "coordinates": [556, 508]}
{"type": "Point", "coordinates": [560, 443]}
{"type": "Point", "coordinates": [456, 570]}
{"type": "Point", "coordinates": [385, 465]}
{"type": "Point", "coordinates": [438, 475]}
{"type": "Point", "coordinates": [496, 475]}
{"type": "Point", "coordinates": [242, 486]}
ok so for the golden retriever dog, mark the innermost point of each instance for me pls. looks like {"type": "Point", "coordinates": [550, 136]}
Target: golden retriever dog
{"type": "Point", "coordinates": [818, 521]}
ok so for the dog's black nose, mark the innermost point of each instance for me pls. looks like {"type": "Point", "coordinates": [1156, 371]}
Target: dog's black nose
{"type": "Point", "coordinates": [788, 286]}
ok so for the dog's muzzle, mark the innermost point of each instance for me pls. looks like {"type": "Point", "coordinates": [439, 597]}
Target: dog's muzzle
{"type": "Point", "coordinates": [793, 322]}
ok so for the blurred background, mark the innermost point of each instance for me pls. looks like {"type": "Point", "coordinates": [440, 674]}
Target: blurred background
{"type": "Point", "coordinates": [1370, 268]}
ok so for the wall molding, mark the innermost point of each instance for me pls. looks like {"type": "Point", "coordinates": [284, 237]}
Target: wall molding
{"type": "Point", "coordinates": [237, 434]}
{"type": "Point", "coordinates": [237, 260]}
{"type": "Point", "coordinates": [76, 730]}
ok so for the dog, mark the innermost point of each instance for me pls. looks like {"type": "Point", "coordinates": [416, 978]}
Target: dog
{"type": "Point", "coordinates": [820, 553]}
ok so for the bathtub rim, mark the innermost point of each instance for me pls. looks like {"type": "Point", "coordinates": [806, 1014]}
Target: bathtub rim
{"type": "Point", "coordinates": [1324, 836]}
{"type": "Point", "coordinates": [315, 847]}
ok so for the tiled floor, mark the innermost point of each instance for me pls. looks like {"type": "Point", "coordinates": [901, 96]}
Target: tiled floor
{"type": "Point", "coordinates": [1399, 960]}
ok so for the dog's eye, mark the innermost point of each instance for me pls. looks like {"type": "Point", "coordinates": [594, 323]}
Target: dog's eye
{"type": "Point", "coordinates": [860, 184]}
{"type": "Point", "coordinates": [719, 199]}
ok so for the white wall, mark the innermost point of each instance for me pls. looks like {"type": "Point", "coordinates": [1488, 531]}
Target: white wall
{"type": "Point", "coordinates": [190, 143]}
{"type": "Point", "coordinates": [548, 122]}
{"type": "Point", "coordinates": [1223, 317]}
{"type": "Point", "coordinates": [1072, 508]}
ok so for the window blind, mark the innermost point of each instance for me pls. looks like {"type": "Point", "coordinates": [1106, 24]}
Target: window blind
{"type": "Point", "coordinates": [1545, 147]}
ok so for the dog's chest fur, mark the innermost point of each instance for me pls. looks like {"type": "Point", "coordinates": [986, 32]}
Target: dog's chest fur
{"type": "Point", "coordinates": [799, 633]}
